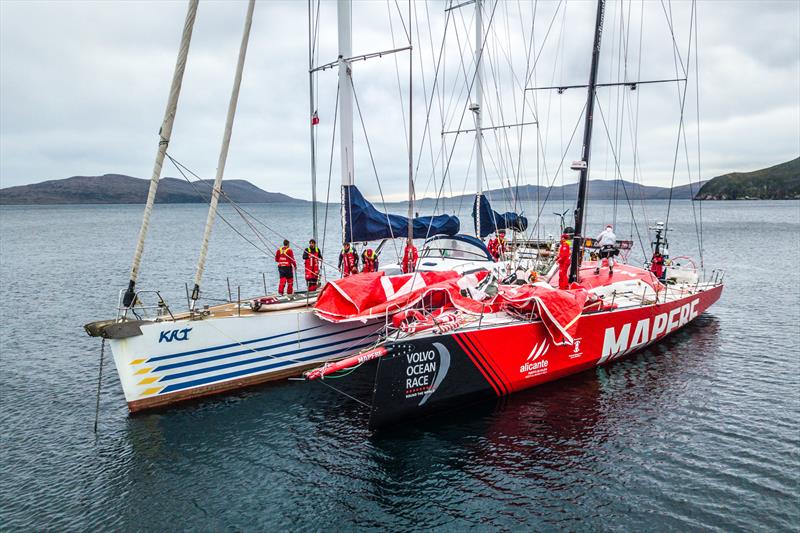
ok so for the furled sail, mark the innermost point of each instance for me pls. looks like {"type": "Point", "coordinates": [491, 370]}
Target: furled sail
{"type": "Point", "coordinates": [362, 222]}
{"type": "Point", "coordinates": [492, 221]}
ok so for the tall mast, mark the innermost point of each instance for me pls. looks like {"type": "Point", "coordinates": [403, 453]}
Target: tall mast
{"type": "Point", "coordinates": [223, 153]}
{"type": "Point", "coordinates": [580, 215]}
{"type": "Point", "coordinates": [410, 131]}
{"type": "Point", "coordinates": [345, 101]}
{"type": "Point", "coordinates": [476, 108]}
{"type": "Point", "coordinates": [311, 118]}
{"type": "Point", "coordinates": [163, 142]}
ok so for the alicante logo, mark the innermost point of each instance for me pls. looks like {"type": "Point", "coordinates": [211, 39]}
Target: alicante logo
{"type": "Point", "coordinates": [174, 335]}
{"type": "Point", "coordinates": [425, 371]}
{"type": "Point", "coordinates": [531, 367]}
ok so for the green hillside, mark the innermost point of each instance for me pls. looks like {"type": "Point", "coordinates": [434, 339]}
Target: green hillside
{"type": "Point", "coordinates": [781, 182]}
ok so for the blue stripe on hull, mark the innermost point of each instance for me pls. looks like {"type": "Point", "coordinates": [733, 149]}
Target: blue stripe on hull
{"type": "Point", "coordinates": [255, 359]}
{"type": "Point", "coordinates": [253, 350]}
{"type": "Point", "coordinates": [240, 373]}
{"type": "Point", "coordinates": [224, 346]}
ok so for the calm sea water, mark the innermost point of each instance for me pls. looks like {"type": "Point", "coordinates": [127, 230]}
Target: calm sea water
{"type": "Point", "coordinates": [699, 432]}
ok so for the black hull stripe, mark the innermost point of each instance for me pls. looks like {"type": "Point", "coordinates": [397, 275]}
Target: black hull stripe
{"type": "Point", "coordinates": [485, 360]}
{"type": "Point", "coordinates": [501, 376]}
{"type": "Point", "coordinates": [477, 362]}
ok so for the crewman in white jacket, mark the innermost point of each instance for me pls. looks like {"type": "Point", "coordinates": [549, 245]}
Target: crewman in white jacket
{"type": "Point", "coordinates": [607, 242]}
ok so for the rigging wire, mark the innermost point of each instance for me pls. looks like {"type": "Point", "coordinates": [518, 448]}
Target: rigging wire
{"type": "Point", "coordinates": [676, 58]}
{"type": "Point", "coordinates": [697, 107]}
{"type": "Point", "coordinates": [372, 161]}
{"type": "Point", "coordinates": [625, 189]}
{"type": "Point", "coordinates": [330, 169]}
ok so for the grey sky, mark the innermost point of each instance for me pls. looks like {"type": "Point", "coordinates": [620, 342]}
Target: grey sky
{"type": "Point", "coordinates": [83, 87]}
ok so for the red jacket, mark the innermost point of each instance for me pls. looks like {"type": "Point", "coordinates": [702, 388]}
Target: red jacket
{"type": "Point", "coordinates": [348, 262]}
{"type": "Point", "coordinates": [657, 266]}
{"type": "Point", "coordinates": [564, 255]}
{"type": "Point", "coordinates": [410, 256]}
{"type": "Point", "coordinates": [370, 261]}
{"type": "Point", "coordinates": [497, 247]}
{"type": "Point", "coordinates": [285, 257]}
{"type": "Point", "coordinates": [312, 260]}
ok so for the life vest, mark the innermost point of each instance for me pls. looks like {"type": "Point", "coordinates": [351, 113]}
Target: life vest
{"type": "Point", "coordinates": [285, 257]}
{"type": "Point", "coordinates": [410, 256]}
{"type": "Point", "coordinates": [370, 261]}
{"type": "Point", "coordinates": [312, 262]}
{"type": "Point", "coordinates": [348, 262]}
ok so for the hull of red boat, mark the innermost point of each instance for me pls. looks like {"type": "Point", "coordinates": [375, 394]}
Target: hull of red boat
{"type": "Point", "coordinates": [438, 372]}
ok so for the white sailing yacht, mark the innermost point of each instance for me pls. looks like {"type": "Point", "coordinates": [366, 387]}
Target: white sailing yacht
{"type": "Point", "coordinates": [163, 356]}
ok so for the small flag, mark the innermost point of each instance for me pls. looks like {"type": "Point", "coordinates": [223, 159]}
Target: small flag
{"type": "Point", "coordinates": [314, 119]}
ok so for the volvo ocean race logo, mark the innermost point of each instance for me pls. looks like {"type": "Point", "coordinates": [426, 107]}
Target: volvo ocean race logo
{"type": "Point", "coordinates": [425, 371]}
{"type": "Point", "coordinates": [174, 335]}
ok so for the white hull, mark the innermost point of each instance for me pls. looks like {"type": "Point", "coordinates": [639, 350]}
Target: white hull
{"type": "Point", "coordinates": [182, 359]}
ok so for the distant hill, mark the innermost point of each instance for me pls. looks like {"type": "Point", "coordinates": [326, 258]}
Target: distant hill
{"type": "Point", "coordinates": [598, 190]}
{"type": "Point", "coordinates": [120, 189]}
{"type": "Point", "coordinates": [781, 182]}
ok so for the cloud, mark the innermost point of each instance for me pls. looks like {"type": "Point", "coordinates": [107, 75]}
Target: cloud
{"type": "Point", "coordinates": [83, 87]}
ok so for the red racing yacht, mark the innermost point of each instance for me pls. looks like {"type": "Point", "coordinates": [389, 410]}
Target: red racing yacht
{"type": "Point", "coordinates": [452, 339]}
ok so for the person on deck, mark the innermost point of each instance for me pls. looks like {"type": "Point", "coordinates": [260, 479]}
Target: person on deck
{"type": "Point", "coordinates": [312, 257]}
{"type": "Point", "coordinates": [657, 265]}
{"type": "Point", "coordinates": [369, 261]}
{"type": "Point", "coordinates": [410, 256]}
{"type": "Point", "coordinates": [564, 259]}
{"type": "Point", "coordinates": [348, 261]}
{"type": "Point", "coordinates": [286, 265]}
{"type": "Point", "coordinates": [497, 246]}
{"type": "Point", "coordinates": [607, 242]}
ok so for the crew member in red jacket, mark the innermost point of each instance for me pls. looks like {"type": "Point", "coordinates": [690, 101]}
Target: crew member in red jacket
{"type": "Point", "coordinates": [410, 256]}
{"type": "Point", "coordinates": [564, 254]}
{"type": "Point", "coordinates": [312, 257]}
{"type": "Point", "coordinates": [497, 246]}
{"type": "Point", "coordinates": [369, 261]}
{"type": "Point", "coordinates": [348, 261]}
{"type": "Point", "coordinates": [286, 265]}
{"type": "Point", "coordinates": [657, 265]}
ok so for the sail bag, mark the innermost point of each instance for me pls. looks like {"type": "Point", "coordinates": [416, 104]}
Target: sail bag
{"type": "Point", "coordinates": [363, 222]}
{"type": "Point", "coordinates": [492, 221]}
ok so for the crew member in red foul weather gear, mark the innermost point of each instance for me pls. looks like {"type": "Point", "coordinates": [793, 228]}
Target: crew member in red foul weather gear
{"type": "Point", "coordinates": [410, 256]}
{"type": "Point", "coordinates": [369, 261]}
{"type": "Point", "coordinates": [348, 261]}
{"type": "Point", "coordinates": [312, 257]}
{"type": "Point", "coordinates": [286, 265]}
{"type": "Point", "coordinates": [657, 265]}
{"type": "Point", "coordinates": [564, 254]}
{"type": "Point", "coordinates": [497, 246]}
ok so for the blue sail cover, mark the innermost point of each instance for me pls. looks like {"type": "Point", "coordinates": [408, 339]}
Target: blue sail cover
{"type": "Point", "coordinates": [492, 220]}
{"type": "Point", "coordinates": [362, 222]}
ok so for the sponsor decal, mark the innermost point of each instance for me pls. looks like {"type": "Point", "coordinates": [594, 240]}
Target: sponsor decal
{"type": "Point", "coordinates": [538, 350]}
{"type": "Point", "coordinates": [174, 335]}
{"type": "Point", "coordinates": [576, 349]}
{"type": "Point", "coordinates": [425, 371]}
{"type": "Point", "coordinates": [533, 369]}
{"type": "Point", "coordinates": [618, 342]}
